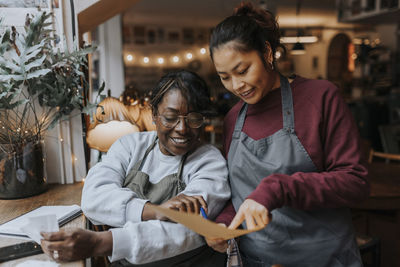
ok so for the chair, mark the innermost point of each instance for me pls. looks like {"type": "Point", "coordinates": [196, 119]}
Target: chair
{"type": "Point", "coordinates": [369, 245]}
{"type": "Point", "coordinates": [390, 139]}
{"type": "Point", "coordinates": [386, 156]}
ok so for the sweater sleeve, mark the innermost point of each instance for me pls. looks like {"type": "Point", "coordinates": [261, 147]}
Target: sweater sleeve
{"type": "Point", "coordinates": [208, 176]}
{"type": "Point", "coordinates": [104, 200]}
{"type": "Point", "coordinates": [143, 242]}
{"type": "Point", "coordinates": [227, 214]}
{"type": "Point", "coordinates": [341, 181]}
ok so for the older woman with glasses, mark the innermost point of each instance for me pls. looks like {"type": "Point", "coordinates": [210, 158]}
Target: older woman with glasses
{"type": "Point", "coordinates": [170, 167]}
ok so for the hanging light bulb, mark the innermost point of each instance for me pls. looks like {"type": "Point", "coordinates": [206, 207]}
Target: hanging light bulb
{"type": "Point", "coordinates": [298, 49]}
{"type": "Point", "coordinates": [175, 59]}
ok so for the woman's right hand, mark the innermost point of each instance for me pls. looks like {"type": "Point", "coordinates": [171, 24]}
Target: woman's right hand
{"type": "Point", "coordinates": [255, 215]}
{"type": "Point", "coordinates": [180, 202]}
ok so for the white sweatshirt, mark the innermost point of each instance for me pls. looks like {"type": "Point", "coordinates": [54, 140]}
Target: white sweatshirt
{"type": "Point", "coordinates": [104, 201]}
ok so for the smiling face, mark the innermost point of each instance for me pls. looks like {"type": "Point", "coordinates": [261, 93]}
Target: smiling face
{"type": "Point", "coordinates": [244, 73]}
{"type": "Point", "coordinates": [181, 138]}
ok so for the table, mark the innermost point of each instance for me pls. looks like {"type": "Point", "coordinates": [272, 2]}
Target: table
{"type": "Point", "coordinates": [379, 215]}
{"type": "Point", "coordinates": [56, 195]}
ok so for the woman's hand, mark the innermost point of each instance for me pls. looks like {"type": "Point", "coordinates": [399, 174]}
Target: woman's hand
{"type": "Point", "coordinates": [180, 202]}
{"type": "Point", "coordinates": [218, 244]}
{"type": "Point", "coordinates": [76, 244]}
{"type": "Point", "coordinates": [255, 215]}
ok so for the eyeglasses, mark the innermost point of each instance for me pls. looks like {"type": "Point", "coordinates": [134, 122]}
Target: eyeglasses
{"type": "Point", "coordinates": [194, 120]}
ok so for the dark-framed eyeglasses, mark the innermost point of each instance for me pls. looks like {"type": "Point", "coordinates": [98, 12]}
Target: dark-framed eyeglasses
{"type": "Point", "coordinates": [194, 120]}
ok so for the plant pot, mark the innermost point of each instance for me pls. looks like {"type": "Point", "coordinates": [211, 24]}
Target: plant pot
{"type": "Point", "coordinates": [22, 172]}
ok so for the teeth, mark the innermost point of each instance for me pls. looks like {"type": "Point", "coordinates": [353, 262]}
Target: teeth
{"type": "Point", "coordinates": [180, 140]}
{"type": "Point", "coordinates": [246, 93]}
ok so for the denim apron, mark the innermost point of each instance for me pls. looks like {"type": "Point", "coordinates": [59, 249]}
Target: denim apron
{"type": "Point", "coordinates": [316, 238]}
{"type": "Point", "coordinates": [158, 193]}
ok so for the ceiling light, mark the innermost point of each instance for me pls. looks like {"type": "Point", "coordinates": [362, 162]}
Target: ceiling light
{"type": "Point", "coordinates": [160, 60]}
{"type": "Point", "coordinates": [175, 59]}
{"type": "Point", "coordinates": [146, 60]}
{"type": "Point", "coordinates": [203, 51]}
{"type": "Point", "coordinates": [300, 39]}
{"type": "Point", "coordinates": [298, 49]}
{"type": "Point", "coordinates": [189, 55]}
{"type": "Point", "coordinates": [129, 57]}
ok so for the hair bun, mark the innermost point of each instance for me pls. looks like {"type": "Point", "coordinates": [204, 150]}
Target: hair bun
{"type": "Point", "coordinates": [245, 9]}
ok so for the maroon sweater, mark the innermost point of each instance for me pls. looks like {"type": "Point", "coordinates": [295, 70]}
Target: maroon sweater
{"type": "Point", "coordinates": [326, 128]}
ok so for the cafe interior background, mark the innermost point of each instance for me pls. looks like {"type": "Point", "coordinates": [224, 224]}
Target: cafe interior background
{"type": "Point", "coordinates": [353, 43]}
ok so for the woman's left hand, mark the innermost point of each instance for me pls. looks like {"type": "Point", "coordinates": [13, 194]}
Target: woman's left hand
{"type": "Point", "coordinates": [255, 215]}
{"type": "Point", "coordinates": [76, 244]}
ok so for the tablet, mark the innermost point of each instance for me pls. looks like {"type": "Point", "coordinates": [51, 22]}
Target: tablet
{"type": "Point", "coordinates": [19, 251]}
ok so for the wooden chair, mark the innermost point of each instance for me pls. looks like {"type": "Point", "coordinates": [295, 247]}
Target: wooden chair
{"type": "Point", "coordinates": [390, 139]}
{"type": "Point", "coordinates": [369, 245]}
{"type": "Point", "coordinates": [386, 156]}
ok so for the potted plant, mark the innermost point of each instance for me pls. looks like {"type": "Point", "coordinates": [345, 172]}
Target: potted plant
{"type": "Point", "coordinates": [39, 86]}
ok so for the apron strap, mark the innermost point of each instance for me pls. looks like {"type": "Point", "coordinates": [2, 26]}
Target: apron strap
{"type": "Point", "coordinates": [180, 171]}
{"type": "Point", "coordinates": [287, 105]}
{"type": "Point", "coordinates": [240, 121]}
{"type": "Point", "coordinates": [138, 166]}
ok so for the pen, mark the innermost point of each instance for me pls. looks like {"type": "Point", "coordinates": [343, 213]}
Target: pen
{"type": "Point", "coordinates": [203, 213]}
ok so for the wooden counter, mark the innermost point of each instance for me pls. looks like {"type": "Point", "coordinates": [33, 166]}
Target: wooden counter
{"type": "Point", "coordinates": [56, 195]}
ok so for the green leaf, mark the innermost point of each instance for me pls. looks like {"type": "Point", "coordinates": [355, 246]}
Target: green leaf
{"type": "Point", "coordinates": [37, 73]}
{"type": "Point", "coordinates": [8, 77]}
{"type": "Point", "coordinates": [9, 64]}
{"type": "Point", "coordinates": [14, 56]}
{"type": "Point", "coordinates": [36, 63]}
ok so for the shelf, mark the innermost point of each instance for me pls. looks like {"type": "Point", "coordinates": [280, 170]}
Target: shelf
{"type": "Point", "coordinates": [369, 11]}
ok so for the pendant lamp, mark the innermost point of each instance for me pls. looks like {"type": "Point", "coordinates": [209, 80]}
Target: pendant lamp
{"type": "Point", "coordinates": [298, 49]}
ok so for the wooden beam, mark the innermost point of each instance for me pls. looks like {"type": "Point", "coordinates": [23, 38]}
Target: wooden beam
{"type": "Point", "coordinates": [100, 12]}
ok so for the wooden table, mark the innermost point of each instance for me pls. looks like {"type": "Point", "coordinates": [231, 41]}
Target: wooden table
{"type": "Point", "coordinates": [379, 215]}
{"type": "Point", "coordinates": [56, 195]}
{"type": "Point", "coordinates": [385, 187]}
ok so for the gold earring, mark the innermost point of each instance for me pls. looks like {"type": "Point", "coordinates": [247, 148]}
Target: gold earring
{"type": "Point", "coordinates": [272, 65]}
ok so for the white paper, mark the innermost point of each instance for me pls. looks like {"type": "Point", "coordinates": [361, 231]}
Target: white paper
{"type": "Point", "coordinates": [36, 263]}
{"type": "Point", "coordinates": [13, 227]}
{"type": "Point", "coordinates": [43, 223]}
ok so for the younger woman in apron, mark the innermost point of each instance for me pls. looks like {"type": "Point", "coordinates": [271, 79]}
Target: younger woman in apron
{"type": "Point", "coordinates": [293, 153]}
{"type": "Point", "coordinates": [169, 167]}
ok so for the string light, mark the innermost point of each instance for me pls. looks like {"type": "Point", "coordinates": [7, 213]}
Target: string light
{"type": "Point", "coordinates": [151, 60]}
{"type": "Point", "coordinates": [175, 59]}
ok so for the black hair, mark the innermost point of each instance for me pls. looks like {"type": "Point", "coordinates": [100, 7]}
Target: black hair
{"type": "Point", "coordinates": [193, 88]}
{"type": "Point", "coordinates": [250, 28]}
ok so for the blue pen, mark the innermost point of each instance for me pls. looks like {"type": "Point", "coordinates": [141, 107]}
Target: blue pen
{"type": "Point", "coordinates": [203, 213]}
